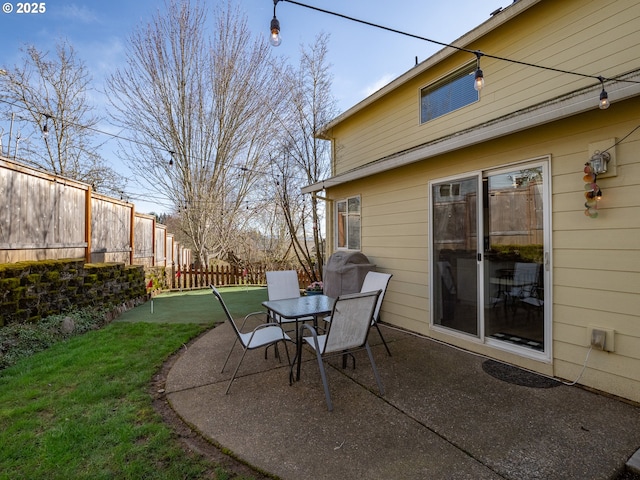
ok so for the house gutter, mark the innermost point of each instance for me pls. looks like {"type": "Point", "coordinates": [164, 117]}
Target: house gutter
{"type": "Point", "coordinates": [562, 107]}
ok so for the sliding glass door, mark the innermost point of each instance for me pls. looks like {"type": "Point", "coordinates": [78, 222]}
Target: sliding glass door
{"type": "Point", "coordinates": [514, 269]}
{"type": "Point", "coordinates": [489, 257]}
{"type": "Point", "coordinates": [455, 247]}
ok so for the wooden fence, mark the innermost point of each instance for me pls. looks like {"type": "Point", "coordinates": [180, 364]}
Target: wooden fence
{"type": "Point", "coordinates": [190, 277]}
{"type": "Point", "coordinates": [47, 217]}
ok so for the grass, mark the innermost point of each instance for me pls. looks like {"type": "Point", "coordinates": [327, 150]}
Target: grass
{"type": "Point", "coordinates": [81, 409]}
{"type": "Point", "coordinates": [197, 306]}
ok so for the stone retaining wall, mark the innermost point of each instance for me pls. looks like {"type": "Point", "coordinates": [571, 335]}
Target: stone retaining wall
{"type": "Point", "coordinates": [30, 291]}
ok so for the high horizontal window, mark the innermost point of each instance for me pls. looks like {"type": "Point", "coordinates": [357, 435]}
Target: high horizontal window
{"type": "Point", "coordinates": [449, 94]}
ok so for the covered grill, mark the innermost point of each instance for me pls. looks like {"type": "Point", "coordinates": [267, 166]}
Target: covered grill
{"type": "Point", "coordinates": [345, 272]}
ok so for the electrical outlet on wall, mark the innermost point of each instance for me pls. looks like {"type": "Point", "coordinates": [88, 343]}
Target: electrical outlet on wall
{"type": "Point", "coordinates": [598, 339]}
{"type": "Point", "coordinates": [601, 338]}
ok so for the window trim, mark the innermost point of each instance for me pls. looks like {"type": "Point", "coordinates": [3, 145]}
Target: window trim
{"type": "Point", "coordinates": [345, 200]}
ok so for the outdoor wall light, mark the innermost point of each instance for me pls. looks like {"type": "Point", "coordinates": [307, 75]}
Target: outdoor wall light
{"type": "Point", "coordinates": [599, 162]}
{"type": "Point", "coordinates": [592, 192]}
{"type": "Point", "coordinates": [275, 38]}
{"type": "Point", "coordinates": [478, 82]}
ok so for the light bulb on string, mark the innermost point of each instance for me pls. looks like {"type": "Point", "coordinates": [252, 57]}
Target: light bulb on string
{"type": "Point", "coordinates": [274, 38]}
{"type": "Point", "coordinates": [478, 82]}
{"type": "Point", "coordinates": [45, 129]}
{"type": "Point", "coordinates": [604, 96]}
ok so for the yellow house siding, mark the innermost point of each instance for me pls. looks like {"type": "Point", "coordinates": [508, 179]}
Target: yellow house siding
{"type": "Point", "coordinates": [596, 262]}
{"type": "Point", "coordinates": [595, 38]}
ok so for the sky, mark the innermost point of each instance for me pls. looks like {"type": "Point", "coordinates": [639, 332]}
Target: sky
{"type": "Point", "coordinates": [363, 58]}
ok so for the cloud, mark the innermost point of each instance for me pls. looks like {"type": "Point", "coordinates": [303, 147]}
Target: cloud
{"type": "Point", "coordinates": [378, 84]}
{"type": "Point", "coordinates": [78, 13]}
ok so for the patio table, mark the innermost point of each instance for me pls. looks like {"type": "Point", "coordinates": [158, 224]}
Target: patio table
{"type": "Point", "coordinates": [300, 307]}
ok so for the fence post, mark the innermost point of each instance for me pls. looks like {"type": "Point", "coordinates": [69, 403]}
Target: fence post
{"type": "Point", "coordinates": [132, 223]}
{"type": "Point", "coordinates": [87, 224]}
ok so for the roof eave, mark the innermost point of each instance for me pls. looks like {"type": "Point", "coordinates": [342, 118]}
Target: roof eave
{"type": "Point", "coordinates": [481, 30]}
{"type": "Point", "coordinates": [568, 105]}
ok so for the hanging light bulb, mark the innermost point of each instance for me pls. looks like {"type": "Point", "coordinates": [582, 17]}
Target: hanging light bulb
{"type": "Point", "coordinates": [604, 100]}
{"type": "Point", "coordinates": [478, 82]}
{"type": "Point", "coordinates": [274, 38]}
{"type": "Point", "coordinates": [45, 129]}
{"type": "Point", "coordinates": [604, 96]}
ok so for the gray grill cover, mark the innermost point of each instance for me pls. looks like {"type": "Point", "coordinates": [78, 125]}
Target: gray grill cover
{"type": "Point", "coordinates": [345, 272]}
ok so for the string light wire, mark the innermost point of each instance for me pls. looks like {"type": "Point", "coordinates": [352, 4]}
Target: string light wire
{"type": "Point", "coordinates": [444, 44]}
{"type": "Point", "coordinates": [118, 136]}
{"type": "Point", "coordinates": [477, 53]}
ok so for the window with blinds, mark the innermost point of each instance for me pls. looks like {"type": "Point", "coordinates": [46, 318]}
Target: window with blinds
{"type": "Point", "coordinates": [449, 94]}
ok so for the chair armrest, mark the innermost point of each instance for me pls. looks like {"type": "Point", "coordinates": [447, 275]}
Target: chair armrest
{"type": "Point", "coordinates": [252, 314]}
{"type": "Point", "coordinates": [269, 325]}
{"type": "Point", "coordinates": [314, 335]}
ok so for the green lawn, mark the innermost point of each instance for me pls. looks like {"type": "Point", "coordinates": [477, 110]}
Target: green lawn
{"type": "Point", "coordinates": [81, 409]}
{"type": "Point", "coordinates": [197, 306]}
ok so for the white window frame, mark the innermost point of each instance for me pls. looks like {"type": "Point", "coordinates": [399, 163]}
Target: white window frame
{"type": "Point", "coordinates": [348, 234]}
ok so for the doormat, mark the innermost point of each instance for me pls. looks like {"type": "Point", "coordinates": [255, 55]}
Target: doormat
{"type": "Point", "coordinates": [517, 376]}
{"type": "Point", "coordinates": [520, 341]}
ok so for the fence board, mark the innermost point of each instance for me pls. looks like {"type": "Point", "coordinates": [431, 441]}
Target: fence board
{"type": "Point", "coordinates": [190, 277]}
{"type": "Point", "coordinates": [44, 216]}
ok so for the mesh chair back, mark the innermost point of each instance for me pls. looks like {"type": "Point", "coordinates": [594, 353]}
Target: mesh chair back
{"type": "Point", "coordinates": [376, 281]}
{"type": "Point", "coordinates": [282, 284]}
{"type": "Point", "coordinates": [226, 310]}
{"type": "Point", "coordinates": [525, 278]}
{"type": "Point", "coordinates": [350, 321]}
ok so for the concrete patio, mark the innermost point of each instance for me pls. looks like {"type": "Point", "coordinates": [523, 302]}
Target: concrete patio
{"type": "Point", "coordinates": [446, 414]}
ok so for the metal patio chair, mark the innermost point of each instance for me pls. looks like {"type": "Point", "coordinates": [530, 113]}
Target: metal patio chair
{"type": "Point", "coordinates": [374, 281]}
{"type": "Point", "coordinates": [525, 285]}
{"type": "Point", "coordinates": [282, 284]}
{"type": "Point", "coordinates": [347, 332]}
{"type": "Point", "coordinates": [261, 336]}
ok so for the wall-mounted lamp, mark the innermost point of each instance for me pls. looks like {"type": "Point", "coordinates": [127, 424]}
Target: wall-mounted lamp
{"type": "Point", "coordinates": [275, 38]}
{"type": "Point", "coordinates": [597, 165]}
{"type": "Point", "coordinates": [478, 82]}
{"type": "Point", "coordinates": [599, 162]}
{"type": "Point", "coordinates": [604, 96]}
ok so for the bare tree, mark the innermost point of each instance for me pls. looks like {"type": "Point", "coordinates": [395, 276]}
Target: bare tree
{"type": "Point", "coordinates": [303, 158]}
{"type": "Point", "coordinates": [202, 113]}
{"type": "Point", "coordinates": [50, 94]}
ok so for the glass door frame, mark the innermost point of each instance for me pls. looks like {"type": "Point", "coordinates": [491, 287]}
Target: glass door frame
{"type": "Point", "coordinates": [479, 337]}
{"type": "Point", "coordinates": [546, 354]}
